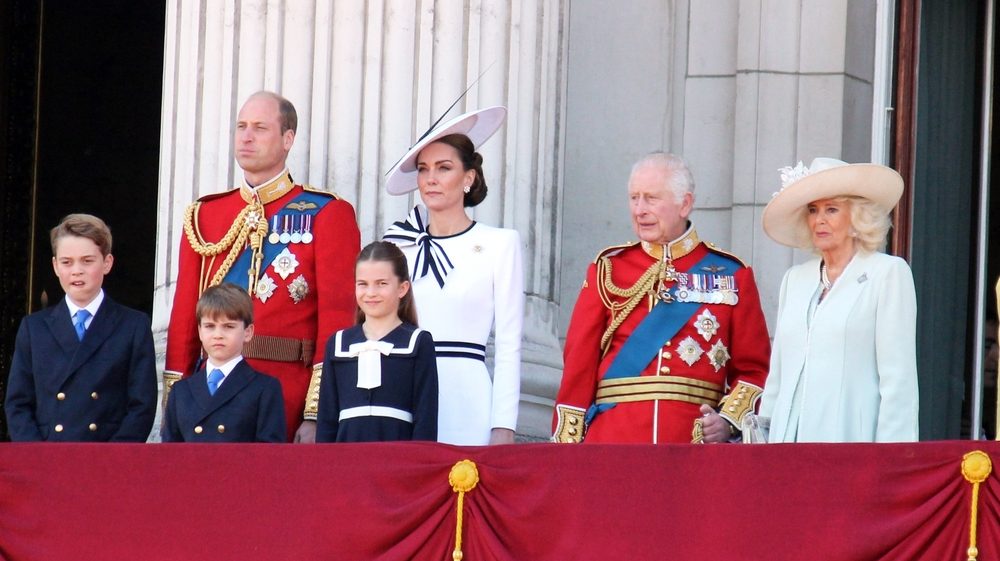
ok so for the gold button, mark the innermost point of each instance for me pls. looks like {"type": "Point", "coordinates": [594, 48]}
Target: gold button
{"type": "Point", "coordinates": [93, 395]}
{"type": "Point", "coordinates": [665, 369]}
{"type": "Point", "coordinates": [198, 429]}
{"type": "Point", "coordinates": [731, 408]}
{"type": "Point", "coordinates": [666, 355]}
{"type": "Point", "coordinates": [60, 396]}
{"type": "Point", "coordinates": [667, 344]}
{"type": "Point", "coordinates": [736, 402]}
{"type": "Point", "coordinates": [92, 427]}
{"type": "Point", "coordinates": [222, 429]}
{"type": "Point", "coordinates": [59, 428]}
{"type": "Point", "coordinates": [573, 421]}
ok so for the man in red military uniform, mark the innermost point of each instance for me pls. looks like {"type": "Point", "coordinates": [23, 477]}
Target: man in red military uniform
{"type": "Point", "coordinates": [293, 249]}
{"type": "Point", "coordinates": [665, 330]}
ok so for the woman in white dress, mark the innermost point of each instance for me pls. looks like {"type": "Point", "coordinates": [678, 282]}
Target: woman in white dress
{"type": "Point", "coordinates": [467, 278]}
{"type": "Point", "coordinates": [843, 364]}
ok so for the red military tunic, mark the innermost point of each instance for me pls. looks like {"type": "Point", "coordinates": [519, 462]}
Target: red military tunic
{"type": "Point", "coordinates": [294, 315]}
{"type": "Point", "coordinates": [723, 347]}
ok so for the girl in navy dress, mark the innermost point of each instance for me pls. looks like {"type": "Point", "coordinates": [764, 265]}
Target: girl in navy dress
{"type": "Point", "coordinates": [379, 377]}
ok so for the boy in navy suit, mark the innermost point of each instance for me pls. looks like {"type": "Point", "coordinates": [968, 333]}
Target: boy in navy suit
{"type": "Point", "coordinates": [84, 369]}
{"type": "Point", "coordinates": [225, 400]}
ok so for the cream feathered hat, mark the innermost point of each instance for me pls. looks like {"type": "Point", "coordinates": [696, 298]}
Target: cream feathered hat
{"type": "Point", "coordinates": [825, 178]}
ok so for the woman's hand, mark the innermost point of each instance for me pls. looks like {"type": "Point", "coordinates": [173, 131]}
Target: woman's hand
{"type": "Point", "coordinates": [501, 436]}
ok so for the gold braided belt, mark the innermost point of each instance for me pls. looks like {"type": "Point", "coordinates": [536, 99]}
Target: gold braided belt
{"type": "Point", "coordinates": [650, 388]}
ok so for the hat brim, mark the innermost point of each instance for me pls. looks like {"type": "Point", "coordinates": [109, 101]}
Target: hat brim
{"type": "Point", "coordinates": [785, 216]}
{"type": "Point", "coordinates": [479, 126]}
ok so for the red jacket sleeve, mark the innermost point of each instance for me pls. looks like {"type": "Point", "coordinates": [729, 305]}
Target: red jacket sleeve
{"type": "Point", "coordinates": [582, 354]}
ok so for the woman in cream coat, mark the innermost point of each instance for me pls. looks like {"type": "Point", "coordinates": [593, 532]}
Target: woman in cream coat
{"type": "Point", "coordinates": [843, 365]}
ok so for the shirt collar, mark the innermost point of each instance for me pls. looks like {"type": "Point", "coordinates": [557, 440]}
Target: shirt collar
{"type": "Point", "coordinates": [270, 190]}
{"type": "Point", "coordinates": [225, 368]}
{"type": "Point", "coordinates": [92, 307]}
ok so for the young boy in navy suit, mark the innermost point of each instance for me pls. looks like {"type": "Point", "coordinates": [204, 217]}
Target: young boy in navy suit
{"type": "Point", "coordinates": [225, 400]}
{"type": "Point", "coordinates": [84, 369]}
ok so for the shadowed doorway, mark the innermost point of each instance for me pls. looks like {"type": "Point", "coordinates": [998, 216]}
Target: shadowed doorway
{"type": "Point", "coordinates": [80, 91]}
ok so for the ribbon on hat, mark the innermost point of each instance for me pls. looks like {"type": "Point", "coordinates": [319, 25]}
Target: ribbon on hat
{"type": "Point", "coordinates": [431, 257]}
{"type": "Point", "coordinates": [369, 355]}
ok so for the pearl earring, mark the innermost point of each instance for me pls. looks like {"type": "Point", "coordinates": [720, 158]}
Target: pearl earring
{"type": "Point", "coordinates": [467, 188]}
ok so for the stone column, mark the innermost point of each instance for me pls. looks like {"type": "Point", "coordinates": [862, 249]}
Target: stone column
{"type": "Point", "coordinates": [367, 77]}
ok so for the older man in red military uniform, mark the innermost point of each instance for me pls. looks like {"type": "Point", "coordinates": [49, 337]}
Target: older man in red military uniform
{"type": "Point", "coordinates": [292, 247]}
{"type": "Point", "coordinates": [665, 330]}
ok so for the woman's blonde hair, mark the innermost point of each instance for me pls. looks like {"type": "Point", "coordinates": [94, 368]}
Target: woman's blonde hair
{"type": "Point", "coordinates": [869, 223]}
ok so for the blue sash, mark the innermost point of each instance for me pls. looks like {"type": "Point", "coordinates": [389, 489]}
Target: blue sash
{"type": "Point", "coordinates": [238, 273]}
{"type": "Point", "coordinates": [658, 327]}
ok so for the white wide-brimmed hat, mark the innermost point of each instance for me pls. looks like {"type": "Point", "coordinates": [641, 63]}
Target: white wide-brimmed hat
{"type": "Point", "coordinates": [479, 126]}
{"type": "Point", "coordinates": [825, 178]}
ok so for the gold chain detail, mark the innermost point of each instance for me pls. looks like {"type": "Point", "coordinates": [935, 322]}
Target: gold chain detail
{"type": "Point", "coordinates": [234, 241]}
{"type": "Point", "coordinates": [634, 294]}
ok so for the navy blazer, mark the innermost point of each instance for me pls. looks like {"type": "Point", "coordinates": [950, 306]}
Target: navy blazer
{"type": "Point", "coordinates": [97, 390]}
{"type": "Point", "coordinates": [247, 407]}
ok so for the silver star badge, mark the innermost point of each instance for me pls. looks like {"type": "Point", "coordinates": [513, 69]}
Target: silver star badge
{"type": "Point", "coordinates": [298, 289]}
{"type": "Point", "coordinates": [285, 263]}
{"type": "Point", "coordinates": [707, 325]}
{"type": "Point", "coordinates": [718, 355]}
{"type": "Point", "coordinates": [689, 351]}
{"type": "Point", "coordinates": [265, 288]}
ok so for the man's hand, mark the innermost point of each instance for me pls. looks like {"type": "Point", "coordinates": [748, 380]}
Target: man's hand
{"type": "Point", "coordinates": [306, 433]}
{"type": "Point", "coordinates": [501, 436]}
{"type": "Point", "coordinates": [716, 429]}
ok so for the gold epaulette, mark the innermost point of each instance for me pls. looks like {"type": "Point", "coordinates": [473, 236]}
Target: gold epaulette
{"type": "Point", "coordinates": [570, 427]}
{"type": "Point", "coordinates": [312, 189]}
{"type": "Point", "coordinates": [611, 250]}
{"type": "Point", "coordinates": [715, 249]}
{"type": "Point", "coordinates": [741, 400]}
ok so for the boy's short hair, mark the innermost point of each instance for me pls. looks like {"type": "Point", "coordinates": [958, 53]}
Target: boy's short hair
{"type": "Point", "coordinates": [227, 300]}
{"type": "Point", "coordinates": [83, 226]}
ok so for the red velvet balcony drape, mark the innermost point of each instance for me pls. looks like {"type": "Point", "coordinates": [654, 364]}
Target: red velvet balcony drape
{"type": "Point", "coordinates": [393, 501]}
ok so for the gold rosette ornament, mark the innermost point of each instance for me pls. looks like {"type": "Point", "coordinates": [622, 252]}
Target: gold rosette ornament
{"type": "Point", "coordinates": [463, 478]}
{"type": "Point", "coordinates": [976, 467]}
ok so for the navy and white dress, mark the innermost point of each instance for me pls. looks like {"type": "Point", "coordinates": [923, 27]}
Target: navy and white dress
{"type": "Point", "coordinates": [378, 390]}
{"type": "Point", "coordinates": [465, 285]}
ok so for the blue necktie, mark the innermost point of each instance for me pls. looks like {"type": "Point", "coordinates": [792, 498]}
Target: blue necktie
{"type": "Point", "coordinates": [80, 322]}
{"type": "Point", "coordinates": [214, 377]}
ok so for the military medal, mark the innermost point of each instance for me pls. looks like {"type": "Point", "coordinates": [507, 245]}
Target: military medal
{"type": "Point", "coordinates": [298, 289]}
{"type": "Point", "coordinates": [689, 351]}
{"type": "Point", "coordinates": [285, 263]}
{"type": "Point", "coordinates": [718, 355]}
{"type": "Point", "coordinates": [273, 238]}
{"type": "Point", "coordinates": [707, 324]}
{"type": "Point", "coordinates": [667, 274]}
{"type": "Point", "coordinates": [286, 235]}
{"type": "Point", "coordinates": [296, 229]}
{"type": "Point", "coordinates": [265, 288]}
{"type": "Point", "coordinates": [307, 236]}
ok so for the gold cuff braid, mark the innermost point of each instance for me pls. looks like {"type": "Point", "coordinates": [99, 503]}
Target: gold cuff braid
{"type": "Point", "coordinates": [312, 395]}
{"type": "Point", "coordinates": [741, 400]}
{"type": "Point", "coordinates": [571, 428]}
{"type": "Point", "coordinates": [169, 379]}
